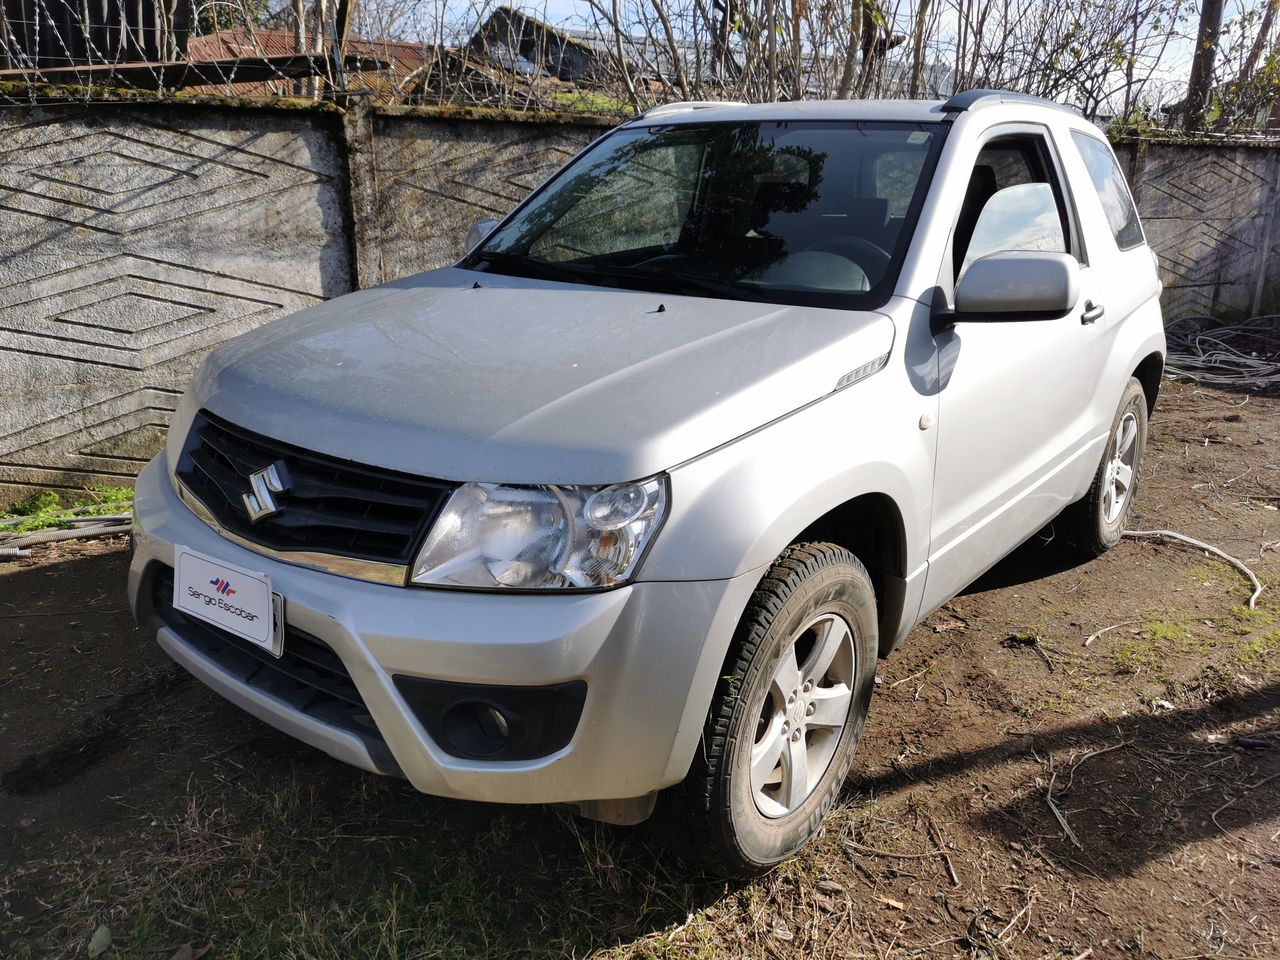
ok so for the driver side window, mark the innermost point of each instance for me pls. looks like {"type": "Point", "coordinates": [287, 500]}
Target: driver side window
{"type": "Point", "coordinates": [1013, 202]}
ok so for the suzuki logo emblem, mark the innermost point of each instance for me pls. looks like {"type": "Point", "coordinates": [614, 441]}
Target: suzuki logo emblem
{"type": "Point", "coordinates": [259, 501]}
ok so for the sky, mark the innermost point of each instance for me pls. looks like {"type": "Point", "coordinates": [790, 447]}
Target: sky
{"type": "Point", "coordinates": [556, 11]}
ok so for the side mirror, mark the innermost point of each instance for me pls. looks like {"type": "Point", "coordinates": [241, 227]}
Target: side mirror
{"type": "Point", "coordinates": [477, 232]}
{"type": "Point", "coordinates": [1017, 285]}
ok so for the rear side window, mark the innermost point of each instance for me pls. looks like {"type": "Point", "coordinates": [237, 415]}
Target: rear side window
{"type": "Point", "coordinates": [1107, 179]}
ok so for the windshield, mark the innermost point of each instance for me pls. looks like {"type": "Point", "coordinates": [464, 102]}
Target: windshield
{"type": "Point", "coordinates": [816, 213]}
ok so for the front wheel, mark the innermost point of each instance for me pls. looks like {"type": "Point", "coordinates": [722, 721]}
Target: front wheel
{"type": "Point", "coordinates": [786, 715]}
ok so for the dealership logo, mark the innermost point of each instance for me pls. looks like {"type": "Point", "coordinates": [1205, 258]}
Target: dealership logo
{"type": "Point", "coordinates": [222, 586]}
{"type": "Point", "coordinates": [264, 484]}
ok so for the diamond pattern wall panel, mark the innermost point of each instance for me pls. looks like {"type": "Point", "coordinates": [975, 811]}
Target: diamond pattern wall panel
{"type": "Point", "coordinates": [436, 178]}
{"type": "Point", "coordinates": [132, 240]}
{"type": "Point", "coordinates": [1210, 215]}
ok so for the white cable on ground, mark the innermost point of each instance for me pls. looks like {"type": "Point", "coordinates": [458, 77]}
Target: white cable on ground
{"type": "Point", "coordinates": [1200, 544]}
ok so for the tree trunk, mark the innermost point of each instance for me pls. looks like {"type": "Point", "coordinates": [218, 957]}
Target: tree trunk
{"type": "Point", "coordinates": [797, 51]}
{"type": "Point", "coordinates": [1201, 84]}
{"type": "Point", "coordinates": [343, 15]}
{"type": "Point", "coordinates": [917, 51]}
{"type": "Point", "coordinates": [299, 38]}
{"type": "Point", "coordinates": [623, 67]}
{"type": "Point", "coordinates": [1129, 100]}
{"type": "Point", "coordinates": [1259, 43]}
{"type": "Point", "coordinates": [845, 89]}
{"type": "Point", "coordinates": [875, 44]}
{"type": "Point", "coordinates": [677, 61]}
{"type": "Point", "coordinates": [771, 24]}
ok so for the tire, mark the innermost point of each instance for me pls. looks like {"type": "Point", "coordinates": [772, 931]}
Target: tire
{"type": "Point", "coordinates": [1093, 524]}
{"type": "Point", "coordinates": [728, 824]}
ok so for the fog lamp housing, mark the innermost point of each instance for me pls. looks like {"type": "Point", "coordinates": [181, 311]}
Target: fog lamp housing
{"type": "Point", "coordinates": [495, 722]}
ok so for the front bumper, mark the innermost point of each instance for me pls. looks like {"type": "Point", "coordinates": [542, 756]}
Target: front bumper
{"type": "Point", "coordinates": [649, 654]}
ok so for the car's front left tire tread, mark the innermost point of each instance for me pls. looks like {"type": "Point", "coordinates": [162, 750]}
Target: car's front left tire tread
{"type": "Point", "coordinates": [702, 808]}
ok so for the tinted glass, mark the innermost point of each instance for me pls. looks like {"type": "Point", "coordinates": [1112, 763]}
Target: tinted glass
{"type": "Point", "coordinates": [1108, 180]}
{"type": "Point", "coordinates": [1013, 202]}
{"type": "Point", "coordinates": [788, 212]}
{"type": "Point", "coordinates": [1021, 217]}
{"type": "Point", "coordinates": [896, 176]}
{"type": "Point", "coordinates": [1011, 162]}
{"type": "Point", "coordinates": [638, 205]}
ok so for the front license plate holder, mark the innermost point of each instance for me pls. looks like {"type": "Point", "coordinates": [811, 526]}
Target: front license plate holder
{"type": "Point", "coordinates": [230, 597]}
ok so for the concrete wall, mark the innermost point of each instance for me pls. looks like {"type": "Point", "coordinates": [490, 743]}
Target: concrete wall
{"type": "Point", "coordinates": [133, 238]}
{"type": "Point", "coordinates": [130, 242]}
{"type": "Point", "coordinates": [1210, 212]}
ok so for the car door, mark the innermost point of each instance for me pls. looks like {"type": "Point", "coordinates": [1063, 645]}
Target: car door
{"type": "Point", "coordinates": [1015, 417]}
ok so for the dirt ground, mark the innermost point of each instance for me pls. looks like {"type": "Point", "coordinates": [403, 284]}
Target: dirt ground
{"type": "Point", "coordinates": [1018, 794]}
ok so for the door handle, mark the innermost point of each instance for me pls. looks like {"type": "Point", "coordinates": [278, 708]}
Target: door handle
{"type": "Point", "coordinates": [1092, 312]}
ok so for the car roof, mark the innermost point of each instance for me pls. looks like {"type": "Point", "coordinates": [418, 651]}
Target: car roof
{"type": "Point", "coordinates": [915, 111]}
{"type": "Point", "coordinates": [909, 111]}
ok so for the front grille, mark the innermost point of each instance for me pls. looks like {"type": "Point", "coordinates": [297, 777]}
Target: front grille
{"type": "Point", "coordinates": [330, 506]}
{"type": "Point", "coordinates": [307, 676]}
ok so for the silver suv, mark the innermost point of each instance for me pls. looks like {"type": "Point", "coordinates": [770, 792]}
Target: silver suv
{"type": "Point", "coordinates": [629, 501]}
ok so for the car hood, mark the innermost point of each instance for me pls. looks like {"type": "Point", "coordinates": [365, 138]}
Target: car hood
{"type": "Point", "coordinates": [528, 381]}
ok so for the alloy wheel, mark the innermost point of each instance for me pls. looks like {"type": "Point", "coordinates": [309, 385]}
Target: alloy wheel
{"type": "Point", "coordinates": [803, 716]}
{"type": "Point", "coordinates": [1118, 481]}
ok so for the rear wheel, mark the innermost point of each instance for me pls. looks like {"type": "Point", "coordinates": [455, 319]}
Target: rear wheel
{"type": "Point", "coordinates": [1095, 523]}
{"type": "Point", "coordinates": [786, 716]}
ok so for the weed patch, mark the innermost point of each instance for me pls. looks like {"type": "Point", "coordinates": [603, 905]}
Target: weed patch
{"type": "Point", "coordinates": [47, 508]}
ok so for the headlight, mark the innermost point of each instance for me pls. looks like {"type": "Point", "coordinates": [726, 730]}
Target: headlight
{"type": "Point", "coordinates": [541, 538]}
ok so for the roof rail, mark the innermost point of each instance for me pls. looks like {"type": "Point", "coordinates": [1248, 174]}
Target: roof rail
{"type": "Point", "coordinates": [975, 99]}
{"type": "Point", "coordinates": [684, 106]}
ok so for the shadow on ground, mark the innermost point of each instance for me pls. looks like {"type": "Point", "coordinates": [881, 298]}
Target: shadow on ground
{"type": "Point", "coordinates": [1137, 787]}
{"type": "Point", "coordinates": [1039, 557]}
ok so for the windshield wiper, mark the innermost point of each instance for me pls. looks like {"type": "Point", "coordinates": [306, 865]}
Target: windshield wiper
{"type": "Point", "coordinates": [685, 282]}
{"type": "Point", "coordinates": [673, 280]}
{"type": "Point", "coordinates": [526, 265]}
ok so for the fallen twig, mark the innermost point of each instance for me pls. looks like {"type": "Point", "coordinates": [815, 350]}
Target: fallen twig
{"type": "Point", "coordinates": [1094, 636]}
{"type": "Point", "coordinates": [72, 612]}
{"type": "Point", "coordinates": [1200, 544]}
{"type": "Point", "coordinates": [1031, 898]}
{"type": "Point", "coordinates": [936, 833]}
{"type": "Point", "coordinates": [919, 673]}
{"type": "Point", "coordinates": [875, 852]}
{"type": "Point", "coordinates": [1243, 793]}
{"type": "Point", "coordinates": [1035, 642]}
{"type": "Point", "coordinates": [1058, 815]}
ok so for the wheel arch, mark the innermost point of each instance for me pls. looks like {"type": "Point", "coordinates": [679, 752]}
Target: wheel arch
{"type": "Point", "coordinates": [870, 526]}
{"type": "Point", "coordinates": [1148, 373]}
